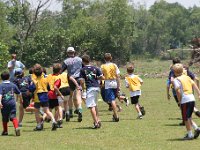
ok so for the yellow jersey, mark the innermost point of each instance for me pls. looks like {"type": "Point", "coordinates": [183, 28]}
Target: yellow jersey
{"type": "Point", "coordinates": [133, 82]}
{"type": "Point", "coordinates": [109, 71]}
{"type": "Point", "coordinates": [64, 80]}
{"type": "Point", "coordinates": [186, 83]}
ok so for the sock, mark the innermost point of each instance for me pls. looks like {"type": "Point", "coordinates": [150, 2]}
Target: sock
{"type": "Point", "coordinates": [5, 126]}
{"type": "Point", "coordinates": [194, 125]}
{"type": "Point", "coordinates": [53, 120]}
{"type": "Point", "coordinates": [15, 123]}
{"type": "Point", "coordinates": [80, 109]}
{"type": "Point", "coordinates": [190, 134]}
{"type": "Point", "coordinates": [67, 112]}
{"type": "Point", "coordinates": [71, 111]}
{"type": "Point", "coordinates": [139, 114]}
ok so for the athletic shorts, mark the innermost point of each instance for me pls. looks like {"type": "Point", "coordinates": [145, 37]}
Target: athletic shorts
{"type": "Point", "coordinates": [103, 94]}
{"type": "Point", "coordinates": [53, 103]}
{"type": "Point", "coordinates": [65, 91]}
{"type": "Point", "coordinates": [8, 112]}
{"type": "Point", "coordinates": [26, 100]}
{"type": "Point", "coordinates": [72, 85]}
{"type": "Point", "coordinates": [37, 105]}
{"type": "Point", "coordinates": [110, 95]}
{"type": "Point", "coordinates": [187, 110]}
{"type": "Point", "coordinates": [92, 98]}
{"type": "Point", "coordinates": [135, 99]}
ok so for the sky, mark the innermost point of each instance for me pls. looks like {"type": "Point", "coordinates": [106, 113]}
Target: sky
{"type": "Point", "coordinates": [54, 5]}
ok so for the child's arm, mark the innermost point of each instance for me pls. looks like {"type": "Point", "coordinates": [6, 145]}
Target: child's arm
{"type": "Point", "coordinates": [56, 88]}
{"type": "Point", "coordinates": [168, 87]}
{"type": "Point", "coordinates": [75, 82]}
{"type": "Point", "coordinates": [197, 89]}
{"type": "Point", "coordinates": [1, 106]}
{"type": "Point", "coordinates": [178, 93]}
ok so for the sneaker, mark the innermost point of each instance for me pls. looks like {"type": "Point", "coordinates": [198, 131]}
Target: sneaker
{"type": "Point", "coordinates": [127, 101]}
{"type": "Point", "coordinates": [99, 124]}
{"type": "Point", "coordinates": [54, 126]}
{"type": "Point", "coordinates": [17, 132]}
{"type": "Point", "coordinates": [182, 124]}
{"type": "Point", "coordinates": [187, 137]}
{"type": "Point", "coordinates": [196, 133]}
{"type": "Point", "coordinates": [95, 126]}
{"type": "Point", "coordinates": [38, 128]}
{"type": "Point", "coordinates": [197, 113]}
{"type": "Point", "coordinates": [115, 119]}
{"type": "Point", "coordinates": [139, 117]}
{"type": "Point", "coordinates": [67, 117]}
{"type": "Point", "coordinates": [79, 116]}
{"type": "Point", "coordinates": [59, 123]}
{"type": "Point", "coordinates": [4, 133]}
{"type": "Point", "coordinates": [142, 110]}
{"type": "Point", "coordinates": [76, 111]}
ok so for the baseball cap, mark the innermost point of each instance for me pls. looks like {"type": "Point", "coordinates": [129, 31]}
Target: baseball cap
{"type": "Point", "coordinates": [18, 71]}
{"type": "Point", "coordinates": [70, 49]}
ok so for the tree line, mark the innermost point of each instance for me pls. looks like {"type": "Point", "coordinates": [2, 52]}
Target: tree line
{"type": "Point", "coordinates": [93, 27]}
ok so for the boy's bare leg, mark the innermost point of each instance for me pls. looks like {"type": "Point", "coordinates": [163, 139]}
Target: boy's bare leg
{"type": "Point", "coordinates": [21, 113]}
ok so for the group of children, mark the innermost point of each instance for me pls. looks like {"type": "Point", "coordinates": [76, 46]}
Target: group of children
{"type": "Point", "coordinates": [57, 90]}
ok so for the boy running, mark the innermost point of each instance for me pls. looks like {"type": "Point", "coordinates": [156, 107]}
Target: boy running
{"type": "Point", "coordinates": [184, 89]}
{"type": "Point", "coordinates": [90, 75]}
{"type": "Point", "coordinates": [112, 83]}
{"type": "Point", "coordinates": [8, 103]}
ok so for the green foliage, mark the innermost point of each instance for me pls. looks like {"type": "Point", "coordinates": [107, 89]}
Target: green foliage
{"type": "Point", "coordinates": [4, 56]}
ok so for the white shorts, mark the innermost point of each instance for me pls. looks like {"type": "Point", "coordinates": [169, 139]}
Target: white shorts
{"type": "Point", "coordinates": [92, 97]}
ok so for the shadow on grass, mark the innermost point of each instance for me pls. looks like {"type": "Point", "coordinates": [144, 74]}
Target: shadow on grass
{"type": "Point", "coordinates": [87, 128]}
{"type": "Point", "coordinates": [8, 135]}
{"type": "Point", "coordinates": [175, 118]}
{"type": "Point", "coordinates": [178, 139]}
{"type": "Point", "coordinates": [32, 130]}
{"type": "Point", "coordinates": [172, 125]}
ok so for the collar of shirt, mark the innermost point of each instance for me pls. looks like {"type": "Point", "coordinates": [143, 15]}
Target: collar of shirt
{"type": "Point", "coordinates": [6, 81]}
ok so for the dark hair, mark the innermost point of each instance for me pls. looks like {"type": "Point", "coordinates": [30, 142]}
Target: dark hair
{"type": "Point", "coordinates": [108, 56]}
{"type": "Point", "coordinates": [56, 68]}
{"type": "Point", "coordinates": [14, 56]}
{"type": "Point", "coordinates": [5, 75]}
{"type": "Point", "coordinates": [176, 60]}
{"type": "Point", "coordinates": [44, 70]}
{"type": "Point", "coordinates": [86, 59]}
{"type": "Point", "coordinates": [31, 70]}
{"type": "Point", "coordinates": [130, 68]}
{"type": "Point", "coordinates": [38, 70]}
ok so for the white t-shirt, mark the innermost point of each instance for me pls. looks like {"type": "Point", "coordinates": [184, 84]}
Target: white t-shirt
{"type": "Point", "coordinates": [184, 98]}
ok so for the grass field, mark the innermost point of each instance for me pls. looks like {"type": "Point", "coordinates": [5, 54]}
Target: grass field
{"type": "Point", "coordinates": [158, 130]}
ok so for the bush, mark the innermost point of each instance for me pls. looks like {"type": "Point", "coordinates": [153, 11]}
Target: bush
{"type": "Point", "coordinates": [4, 56]}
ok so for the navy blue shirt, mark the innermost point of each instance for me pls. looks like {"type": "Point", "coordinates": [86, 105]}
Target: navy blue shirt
{"type": "Point", "coordinates": [7, 90]}
{"type": "Point", "coordinates": [23, 83]}
{"type": "Point", "coordinates": [90, 74]}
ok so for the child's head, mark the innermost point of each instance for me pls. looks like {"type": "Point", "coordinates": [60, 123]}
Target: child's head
{"type": "Point", "coordinates": [86, 59]}
{"type": "Point", "coordinates": [56, 68]}
{"type": "Point", "coordinates": [108, 57]}
{"type": "Point", "coordinates": [19, 72]}
{"type": "Point", "coordinates": [37, 70]}
{"type": "Point", "coordinates": [5, 75]}
{"type": "Point", "coordinates": [130, 68]}
{"type": "Point", "coordinates": [44, 70]}
{"type": "Point", "coordinates": [178, 69]}
{"type": "Point", "coordinates": [30, 71]}
{"type": "Point", "coordinates": [176, 60]}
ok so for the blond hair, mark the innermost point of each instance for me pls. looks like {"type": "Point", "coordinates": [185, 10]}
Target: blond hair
{"type": "Point", "coordinates": [178, 69]}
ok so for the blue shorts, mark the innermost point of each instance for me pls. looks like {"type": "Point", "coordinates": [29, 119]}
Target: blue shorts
{"type": "Point", "coordinates": [110, 95]}
{"type": "Point", "coordinates": [187, 110]}
{"type": "Point", "coordinates": [8, 112]}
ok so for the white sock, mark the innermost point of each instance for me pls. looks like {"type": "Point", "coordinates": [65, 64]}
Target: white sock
{"type": "Point", "coordinates": [194, 125]}
{"type": "Point", "coordinates": [139, 114]}
{"type": "Point", "coordinates": [53, 120]}
{"type": "Point", "coordinates": [190, 134]}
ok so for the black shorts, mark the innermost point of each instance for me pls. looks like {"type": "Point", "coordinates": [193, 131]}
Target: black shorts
{"type": "Point", "coordinates": [26, 100]}
{"type": "Point", "coordinates": [135, 99]}
{"type": "Point", "coordinates": [53, 103]}
{"type": "Point", "coordinates": [72, 85]}
{"type": "Point", "coordinates": [187, 110]}
{"type": "Point", "coordinates": [37, 105]}
{"type": "Point", "coordinates": [65, 91]}
{"type": "Point", "coordinates": [8, 112]}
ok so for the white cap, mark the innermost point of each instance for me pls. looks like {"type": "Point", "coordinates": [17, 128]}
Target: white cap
{"type": "Point", "coordinates": [70, 49]}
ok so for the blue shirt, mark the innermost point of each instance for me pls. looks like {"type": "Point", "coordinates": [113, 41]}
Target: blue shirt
{"type": "Point", "coordinates": [22, 83]}
{"type": "Point", "coordinates": [7, 90]}
{"type": "Point", "coordinates": [90, 74]}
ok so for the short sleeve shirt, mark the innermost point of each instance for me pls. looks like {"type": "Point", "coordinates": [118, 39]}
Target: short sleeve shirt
{"type": "Point", "coordinates": [7, 90]}
{"type": "Point", "coordinates": [90, 74]}
{"type": "Point", "coordinates": [23, 83]}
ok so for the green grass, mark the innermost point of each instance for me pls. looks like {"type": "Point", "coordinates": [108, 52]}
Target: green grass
{"type": "Point", "coordinates": [158, 130]}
